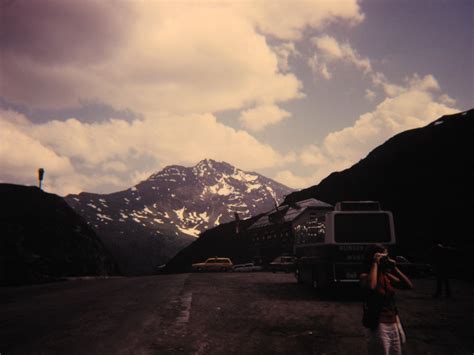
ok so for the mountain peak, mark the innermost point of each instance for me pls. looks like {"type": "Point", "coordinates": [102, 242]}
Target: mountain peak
{"type": "Point", "coordinates": [204, 167]}
{"type": "Point", "coordinates": [177, 203]}
{"type": "Point", "coordinates": [207, 162]}
{"type": "Point", "coordinates": [212, 167]}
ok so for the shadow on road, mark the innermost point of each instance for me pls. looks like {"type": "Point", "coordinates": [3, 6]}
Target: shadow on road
{"type": "Point", "coordinates": [293, 291]}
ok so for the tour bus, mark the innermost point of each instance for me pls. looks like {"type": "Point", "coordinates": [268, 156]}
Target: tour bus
{"type": "Point", "coordinates": [330, 248]}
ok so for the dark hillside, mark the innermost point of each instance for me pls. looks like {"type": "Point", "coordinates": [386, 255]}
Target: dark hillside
{"type": "Point", "coordinates": [43, 239]}
{"type": "Point", "coordinates": [425, 176]}
{"type": "Point", "coordinates": [219, 241]}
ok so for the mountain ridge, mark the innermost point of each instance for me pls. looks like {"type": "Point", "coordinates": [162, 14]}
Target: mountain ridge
{"type": "Point", "coordinates": [423, 175]}
{"type": "Point", "coordinates": [175, 205]}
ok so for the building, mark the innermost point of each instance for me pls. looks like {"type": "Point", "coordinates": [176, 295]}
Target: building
{"type": "Point", "coordinates": [275, 232]}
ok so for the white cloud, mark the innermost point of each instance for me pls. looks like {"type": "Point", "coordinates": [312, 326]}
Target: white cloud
{"type": "Point", "coordinates": [289, 179]}
{"type": "Point", "coordinates": [287, 19]}
{"type": "Point", "coordinates": [312, 155]}
{"type": "Point", "coordinates": [22, 155]}
{"type": "Point", "coordinates": [114, 166]}
{"type": "Point", "coordinates": [319, 68]}
{"type": "Point", "coordinates": [447, 100]}
{"type": "Point", "coordinates": [89, 156]}
{"type": "Point", "coordinates": [414, 105]}
{"type": "Point", "coordinates": [258, 118]}
{"type": "Point", "coordinates": [329, 50]}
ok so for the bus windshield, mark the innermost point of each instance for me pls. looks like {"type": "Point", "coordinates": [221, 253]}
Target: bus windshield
{"type": "Point", "coordinates": [362, 228]}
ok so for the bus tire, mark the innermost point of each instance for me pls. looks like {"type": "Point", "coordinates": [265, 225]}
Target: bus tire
{"type": "Point", "coordinates": [319, 281]}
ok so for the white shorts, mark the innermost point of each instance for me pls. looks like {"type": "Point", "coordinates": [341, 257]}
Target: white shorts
{"type": "Point", "coordinates": [384, 340]}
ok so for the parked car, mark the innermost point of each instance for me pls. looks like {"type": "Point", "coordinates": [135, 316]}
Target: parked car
{"type": "Point", "coordinates": [214, 264]}
{"type": "Point", "coordinates": [413, 269]}
{"type": "Point", "coordinates": [283, 263]}
{"type": "Point", "coordinates": [249, 267]}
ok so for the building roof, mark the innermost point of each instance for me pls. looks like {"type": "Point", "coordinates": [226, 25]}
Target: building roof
{"type": "Point", "coordinates": [288, 213]}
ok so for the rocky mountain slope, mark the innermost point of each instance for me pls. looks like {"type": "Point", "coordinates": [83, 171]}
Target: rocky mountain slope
{"type": "Point", "coordinates": [43, 239]}
{"type": "Point", "coordinates": [425, 176]}
{"type": "Point", "coordinates": [149, 223]}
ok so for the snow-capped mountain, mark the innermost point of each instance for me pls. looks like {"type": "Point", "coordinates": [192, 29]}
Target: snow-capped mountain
{"type": "Point", "coordinates": [178, 203]}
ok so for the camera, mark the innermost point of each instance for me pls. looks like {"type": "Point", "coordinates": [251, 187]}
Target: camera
{"type": "Point", "coordinates": [387, 263]}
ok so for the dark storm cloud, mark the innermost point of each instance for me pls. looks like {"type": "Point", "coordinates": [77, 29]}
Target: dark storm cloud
{"type": "Point", "coordinates": [58, 31]}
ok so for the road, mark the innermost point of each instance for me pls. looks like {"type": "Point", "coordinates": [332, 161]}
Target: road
{"type": "Point", "coordinates": [218, 313]}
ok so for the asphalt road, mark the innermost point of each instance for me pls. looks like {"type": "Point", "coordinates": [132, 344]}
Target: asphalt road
{"type": "Point", "coordinates": [218, 313]}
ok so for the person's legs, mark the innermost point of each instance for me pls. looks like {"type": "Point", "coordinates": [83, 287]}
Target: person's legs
{"type": "Point", "coordinates": [390, 339]}
{"type": "Point", "coordinates": [395, 343]}
{"type": "Point", "coordinates": [375, 344]}
{"type": "Point", "coordinates": [384, 340]}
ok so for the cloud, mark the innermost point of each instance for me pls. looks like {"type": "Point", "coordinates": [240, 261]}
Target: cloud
{"type": "Point", "coordinates": [114, 166]}
{"type": "Point", "coordinates": [110, 155]}
{"type": "Point", "coordinates": [284, 52]}
{"type": "Point", "coordinates": [370, 94]}
{"type": "Point", "coordinates": [156, 56]}
{"type": "Point", "coordinates": [447, 100]}
{"type": "Point", "coordinates": [55, 32]}
{"type": "Point", "coordinates": [414, 105]}
{"type": "Point", "coordinates": [258, 118]}
{"type": "Point", "coordinates": [319, 68]}
{"type": "Point", "coordinates": [21, 154]}
{"type": "Point", "coordinates": [171, 64]}
{"type": "Point", "coordinates": [329, 50]}
{"type": "Point", "coordinates": [289, 179]}
{"type": "Point", "coordinates": [287, 20]}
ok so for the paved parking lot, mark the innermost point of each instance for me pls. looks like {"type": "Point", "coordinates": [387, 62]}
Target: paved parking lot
{"type": "Point", "coordinates": [218, 313]}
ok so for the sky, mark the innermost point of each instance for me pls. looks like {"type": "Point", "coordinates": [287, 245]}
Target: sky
{"type": "Point", "coordinates": [102, 94]}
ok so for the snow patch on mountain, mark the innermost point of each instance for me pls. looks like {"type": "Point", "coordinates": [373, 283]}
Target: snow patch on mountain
{"type": "Point", "coordinates": [180, 213]}
{"type": "Point", "coordinates": [190, 231]}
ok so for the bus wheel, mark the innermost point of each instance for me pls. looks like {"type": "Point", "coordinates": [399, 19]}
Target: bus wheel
{"type": "Point", "coordinates": [319, 281]}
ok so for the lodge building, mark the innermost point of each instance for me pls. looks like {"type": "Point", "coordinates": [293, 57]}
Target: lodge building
{"type": "Point", "coordinates": [276, 232]}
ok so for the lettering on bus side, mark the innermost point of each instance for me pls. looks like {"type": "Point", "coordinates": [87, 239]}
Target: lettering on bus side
{"type": "Point", "coordinates": [351, 247]}
{"type": "Point", "coordinates": [355, 257]}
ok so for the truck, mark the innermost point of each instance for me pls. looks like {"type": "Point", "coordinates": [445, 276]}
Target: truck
{"type": "Point", "coordinates": [330, 248]}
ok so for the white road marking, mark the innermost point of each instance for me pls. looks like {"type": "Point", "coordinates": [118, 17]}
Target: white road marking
{"type": "Point", "coordinates": [185, 300]}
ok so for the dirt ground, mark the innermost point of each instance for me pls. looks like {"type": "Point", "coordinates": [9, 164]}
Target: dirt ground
{"type": "Point", "coordinates": [219, 313]}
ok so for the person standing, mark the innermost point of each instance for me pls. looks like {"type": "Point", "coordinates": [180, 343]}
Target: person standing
{"type": "Point", "coordinates": [441, 259]}
{"type": "Point", "coordinates": [383, 329]}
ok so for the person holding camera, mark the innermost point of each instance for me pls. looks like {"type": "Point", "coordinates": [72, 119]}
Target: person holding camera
{"type": "Point", "coordinates": [384, 332]}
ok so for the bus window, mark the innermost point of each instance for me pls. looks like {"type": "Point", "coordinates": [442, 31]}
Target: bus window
{"type": "Point", "coordinates": [362, 228]}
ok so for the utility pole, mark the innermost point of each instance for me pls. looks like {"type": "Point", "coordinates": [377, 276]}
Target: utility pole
{"type": "Point", "coordinates": [40, 176]}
